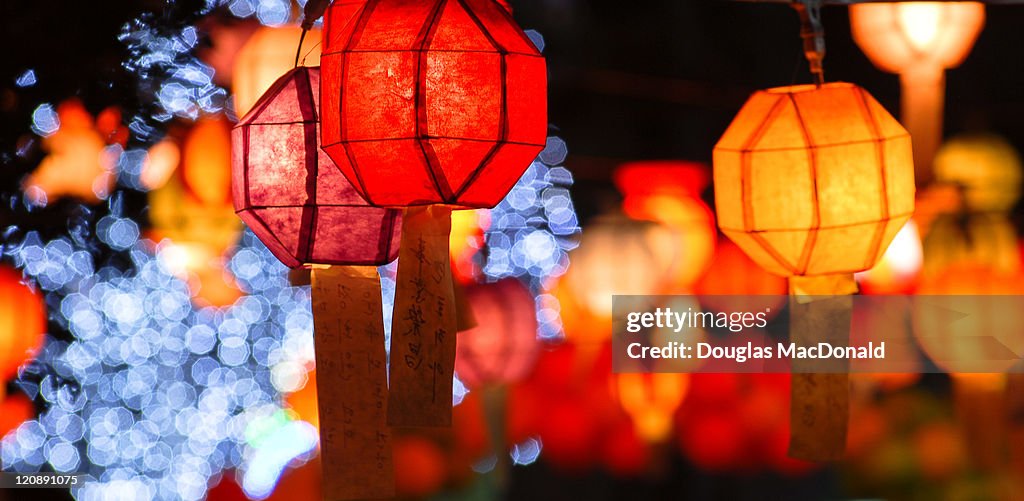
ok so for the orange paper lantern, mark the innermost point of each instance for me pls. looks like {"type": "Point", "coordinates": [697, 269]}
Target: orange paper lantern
{"type": "Point", "coordinates": [813, 181]}
{"type": "Point", "coordinates": [22, 323]}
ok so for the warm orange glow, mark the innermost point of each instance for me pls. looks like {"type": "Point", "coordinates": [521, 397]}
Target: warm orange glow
{"type": "Point", "coordinates": [22, 323]}
{"type": "Point", "coordinates": [985, 166]}
{"type": "Point", "coordinates": [267, 55]}
{"type": "Point", "coordinates": [76, 164]}
{"type": "Point", "coordinates": [918, 40]}
{"type": "Point", "coordinates": [161, 161]}
{"type": "Point", "coordinates": [813, 181]}
{"type": "Point", "coordinates": [616, 256]}
{"type": "Point", "coordinates": [669, 192]}
{"type": "Point", "coordinates": [465, 240]}
{"type": "Point", "coordinates": [651, 400]}
{"type": "Point", "coordinates": [896, 36]}
{"type": "Point", "coordinates": [898, 271]}
{"type": "Point", "coordinates": [206, 161]}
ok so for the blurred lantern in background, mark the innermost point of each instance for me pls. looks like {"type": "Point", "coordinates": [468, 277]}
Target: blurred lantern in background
{"type": "Point", "coordinates": [900, 267]}
{"type": "Point", "coordinates": [22, 324]}
{"type": "Point", "coordinates": [985, 239]}
{"type": "Point", "coordinates": [503, 347]}
{"type": "Point", "coordinates": [669, 192]}
{"type": "Point", "coordinates": [650, 400]}
{"type": "Point", "coordinates": [919, 41]}
{"type": "Point", "coordinates": [191, 207]}
{"type": "Point", "coordinates": [616, 256]}
{"type": "Point", "coordinates": [162, 160]}
{"type": "Point", "coordinates": [985, 167]}
{"type": "Point", "coordinates": [266, 55]}
{"type": "Point", "coordinates": [77, 163]}
{"type": "Point", "coordinates": [420, 467]}
{"type": "Point", "coordinates": [206, 161]}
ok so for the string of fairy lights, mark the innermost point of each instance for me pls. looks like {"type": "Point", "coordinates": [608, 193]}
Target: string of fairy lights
{"type": "Point", "coordinates": [155, 398]}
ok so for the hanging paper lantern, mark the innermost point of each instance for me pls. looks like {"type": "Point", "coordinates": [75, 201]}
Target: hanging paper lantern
{"type": "Point", "coordinates": [432, 102]}
{"type": "Point", "coordinates": [22, 323]}
{"type": "Point", "coordinates": [986, 167]}
{"type": "Point", "coordinates": [503, 347]}
{"type": "Point", "coordinates": [288, 192]}
{"type": "Point", "coordinates": [669, 192]}
{"type": "Point", "coordinates": [918, 40]}
{"type": "Point", "coordinates": [650, 400]}
{"type": "Point", "coordinates": [267, 55]}
{"type": "Point", "coordinates": [206, 161]}
{"type": "Point", "coordinates": [813, 181]}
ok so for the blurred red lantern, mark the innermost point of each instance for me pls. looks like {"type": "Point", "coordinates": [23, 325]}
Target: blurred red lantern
{"type": "Point", "coordinates": [420, 466]}
{"type": "Point", "coordinates": [503, 347]}
{"type": "Point", "coordinates": [22, 323]}
{"type": "Point", "coordinates": [431, 102]}
{"type": "Point", "coordinates": [624, 452]}
{"type": "Point", "coordinates": [288, 192]}
{"type": "Point", "coordinates": [669, 192]}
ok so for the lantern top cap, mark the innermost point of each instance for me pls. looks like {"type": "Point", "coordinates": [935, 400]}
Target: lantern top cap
{"type": "Point", "coordinates": [798, 89]}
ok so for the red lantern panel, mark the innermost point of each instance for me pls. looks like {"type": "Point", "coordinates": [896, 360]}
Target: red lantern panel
{"type": "Point", "coordinates": [432, 102]}
{"type": "Point", "coordinates": [290, 193]}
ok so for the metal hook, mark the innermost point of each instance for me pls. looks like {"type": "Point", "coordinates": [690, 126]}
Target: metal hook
{"type": "Point", "coordinates": [813, 34]}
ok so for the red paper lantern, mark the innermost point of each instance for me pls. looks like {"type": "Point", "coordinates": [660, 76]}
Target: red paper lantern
{"type": "Point", "coordinates": [289, 192]}
{"type": "Point", "coordinates": [503, 347]}
{"type": "Point", "coordinates": [431, 102]}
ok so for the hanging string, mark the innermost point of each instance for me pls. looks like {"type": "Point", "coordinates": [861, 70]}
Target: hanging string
{"type": "Point", "coordinates": [813, 34]}
{"type": "Point", "coordinates": [298, 51]}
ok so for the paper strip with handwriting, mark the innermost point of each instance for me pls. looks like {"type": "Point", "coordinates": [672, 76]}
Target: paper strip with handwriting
{"type": "Point", "coordinates": [424, 322]}
{"type": "Point", "coordinates": [351, 377]}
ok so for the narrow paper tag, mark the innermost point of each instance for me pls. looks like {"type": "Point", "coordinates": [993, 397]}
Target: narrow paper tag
{"type": "Point", "coordinates": [819, 403]}
{"type": "Point", "coordinates": [424, 322]}
{"type": "Point", "coordinates": [351, 378]}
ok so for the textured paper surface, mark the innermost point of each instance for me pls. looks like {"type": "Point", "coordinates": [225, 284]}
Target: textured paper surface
{"type": "Point", "coordinates": [351, 377]}
{"type": "Point", "coordinates": [424, 322]}
{"type": "Point", "coordinates": [819, 403]}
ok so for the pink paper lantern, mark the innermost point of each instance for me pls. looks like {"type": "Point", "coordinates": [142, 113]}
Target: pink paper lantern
{"type": "Point", "coordinates": [289, 192]}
